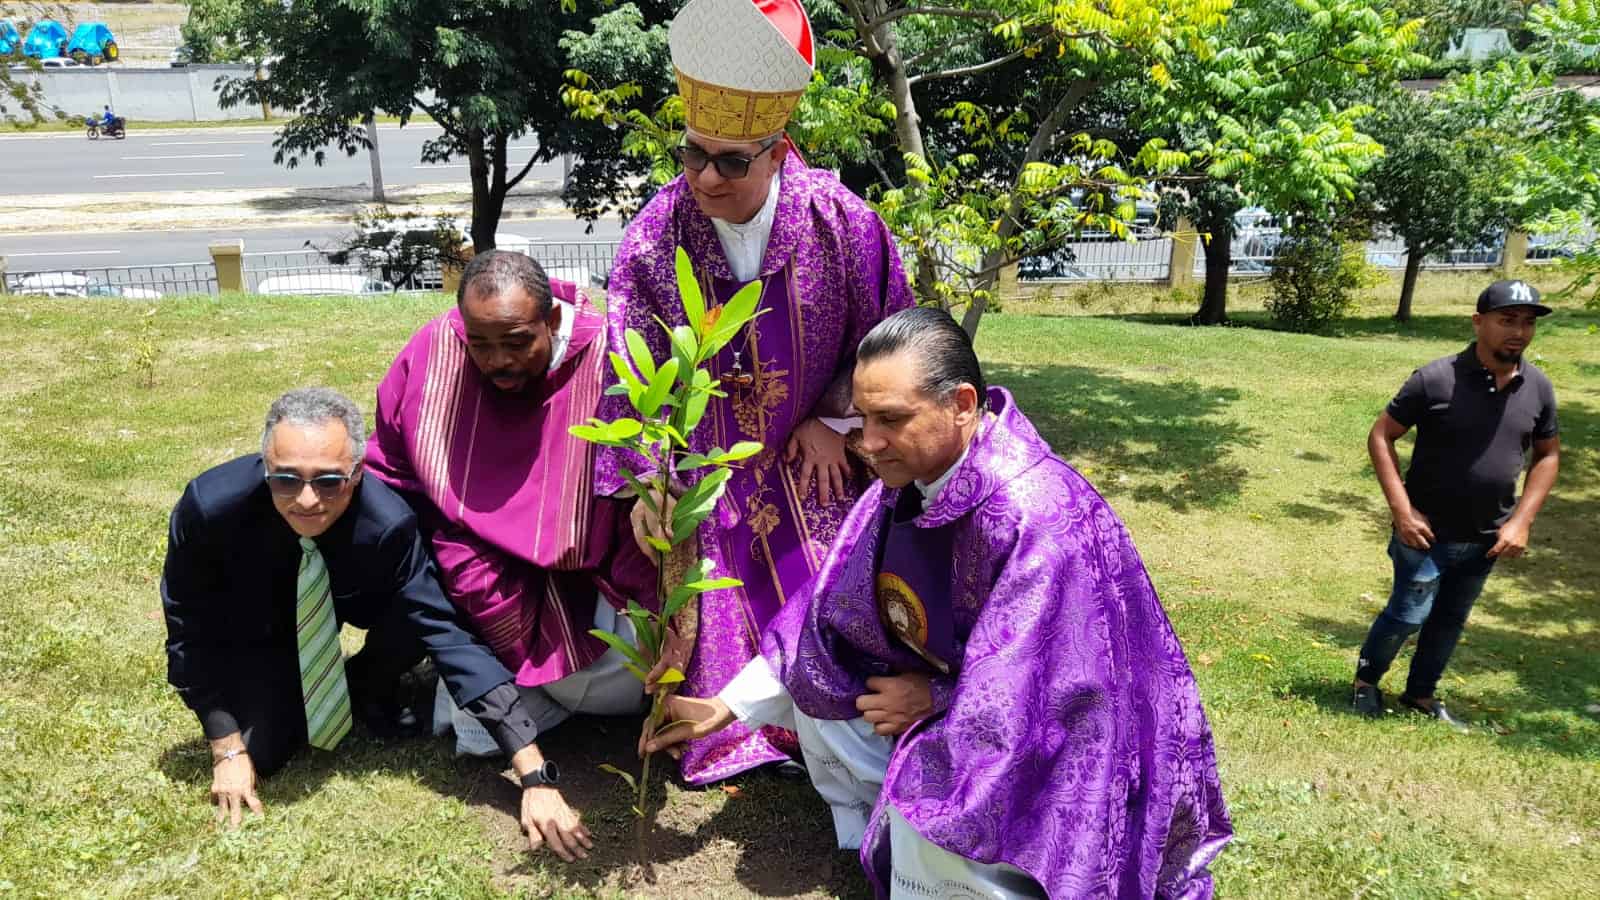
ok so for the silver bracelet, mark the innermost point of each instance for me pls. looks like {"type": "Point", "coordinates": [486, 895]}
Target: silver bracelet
{"type": "Point", "coordinates": [227, 756]}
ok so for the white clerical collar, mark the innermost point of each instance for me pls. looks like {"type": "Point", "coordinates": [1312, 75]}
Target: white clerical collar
{"type": "Point", "coordinates": [563, 334]}
{"type": "Point", "coordinates": [745, 243]}
{"type": "Point", "coordinates": [930, 491]}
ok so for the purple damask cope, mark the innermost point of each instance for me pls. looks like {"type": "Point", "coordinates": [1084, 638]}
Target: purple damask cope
{"type": "Point", "coordinates": [1071, 742]}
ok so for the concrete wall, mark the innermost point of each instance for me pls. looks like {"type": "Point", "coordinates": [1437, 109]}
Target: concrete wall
{"type": "Point", "coordinates": [153, 95]}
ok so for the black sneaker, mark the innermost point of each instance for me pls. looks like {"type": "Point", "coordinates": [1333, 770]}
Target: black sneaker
{"type": "Point", "coordinates": [1436, 711]}
{"type": "Point", "coordinates": [1368, 701]}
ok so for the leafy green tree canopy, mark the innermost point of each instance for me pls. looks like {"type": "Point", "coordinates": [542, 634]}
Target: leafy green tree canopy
{"type": "Point", "coordinates": [999, 129]}
{"type": "Point", "coordinates": [1269, 112]}
{"type": "Point", "coordinates": [488, 72]}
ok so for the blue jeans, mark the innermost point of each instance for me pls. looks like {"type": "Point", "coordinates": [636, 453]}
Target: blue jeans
{"type": "Point", "coordinates": [1433, 592]}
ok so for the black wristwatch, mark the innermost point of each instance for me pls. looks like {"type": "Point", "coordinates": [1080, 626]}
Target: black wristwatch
{"type": "Point", "coordinates": [545, 774]}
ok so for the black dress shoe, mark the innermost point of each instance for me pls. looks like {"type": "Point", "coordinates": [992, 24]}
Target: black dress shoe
{"type": "Point", "coordinates": [1368, 701]}
{"type": "Point", "coordinates": [1436, 711]}
{"type": "Point", "coordinates": [789, 770]}
{"type": "Point", "coordinates": [386, 720]}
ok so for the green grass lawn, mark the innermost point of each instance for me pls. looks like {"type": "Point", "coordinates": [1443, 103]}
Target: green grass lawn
{"type": "Point", "coordinates": [1235, 455]}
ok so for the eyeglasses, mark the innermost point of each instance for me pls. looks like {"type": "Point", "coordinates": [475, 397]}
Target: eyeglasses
{"type": "Point", "coordinates": [731, 166]}
{"type": "Point", "coordinates": [288, 485]}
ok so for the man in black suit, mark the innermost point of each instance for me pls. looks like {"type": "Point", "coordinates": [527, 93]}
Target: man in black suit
{"type": "Point", "coordinates": [267, 556]}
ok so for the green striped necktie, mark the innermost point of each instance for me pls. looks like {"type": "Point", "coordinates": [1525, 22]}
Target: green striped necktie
{"type": "Point", "coordinates": [322, 681]}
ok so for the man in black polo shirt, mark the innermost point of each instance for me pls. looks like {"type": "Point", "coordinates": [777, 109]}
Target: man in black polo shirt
{"type": "Point", "coordinates": [1477, 414]}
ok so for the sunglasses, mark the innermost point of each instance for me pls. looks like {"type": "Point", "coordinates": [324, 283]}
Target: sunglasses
{"type": "Point", "coordinates": [731, 166]}
{"type": "Point", "coordinates": [288, 485]}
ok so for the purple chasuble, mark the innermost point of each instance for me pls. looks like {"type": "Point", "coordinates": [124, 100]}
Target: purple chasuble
{"type": "Point", "coordinates": [830, 273]}
{"type": "Point", "coordinates": [1069, 739]}
{"type": "Point", "coordinates": [503, 492]}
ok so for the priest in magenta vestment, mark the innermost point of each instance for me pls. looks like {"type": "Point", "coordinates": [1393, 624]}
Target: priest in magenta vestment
{"type": "Point", "coordinates": [471, 429]}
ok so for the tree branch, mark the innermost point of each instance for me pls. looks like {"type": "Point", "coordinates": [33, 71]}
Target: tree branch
{"type": "Point", "coordinates": [1042, 139]}
{"type": "Point", "coordinates": [968, 70]}
{"type": "Point", "coordinates": [520, 175]}
{"type": "Point", "coordinates": [437, 113]}
{"type": "Point", "coordinates": [926, 55]}
{"type": "Point", "coordinates": [1556, 90]}
{"type": "Point", "coordinates": [864, 29]}
{"type": "Point", "coordinates": [882, 172]}
{"type": "Point", "coordinates": [949, 12]}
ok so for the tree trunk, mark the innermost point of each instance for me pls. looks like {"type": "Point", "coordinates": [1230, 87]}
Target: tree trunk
{"type": "Point", "coordinates": [884, 54]}
{"type": "Point", "coordinates": [478, 173]}
{"type": "Point", "coordinates": [372, 155]}
{"type": "Point", "coordinates": [881, 47]}
{"type": "Point", "coordinates": [1408, 284]}
{"type": "Point", "coordinates": [1219, 253]}
{"type": "Point", "coordinates": [487, 165]}
{"type": "Point", "coordinates": [1043, 138]}
{"type": "Point", "coordinates": [907, 122]}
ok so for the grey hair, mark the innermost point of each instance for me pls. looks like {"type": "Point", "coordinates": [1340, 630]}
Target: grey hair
{"type": "Point", "coordinates": [313, 406]}
{"type": "Point", "coordinates": [493, 272]}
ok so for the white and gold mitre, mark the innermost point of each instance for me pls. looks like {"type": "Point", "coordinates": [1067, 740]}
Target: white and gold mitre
{"type": "Point", "coordinates": [741, 64]}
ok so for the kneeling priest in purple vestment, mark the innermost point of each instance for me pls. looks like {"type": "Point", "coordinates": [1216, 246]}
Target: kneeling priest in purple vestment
{"type": "Point", "coordinates": [986, 689]}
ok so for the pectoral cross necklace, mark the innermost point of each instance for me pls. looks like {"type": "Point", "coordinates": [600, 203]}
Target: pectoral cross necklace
{"type": "Point", "coordinates": [736, 376]}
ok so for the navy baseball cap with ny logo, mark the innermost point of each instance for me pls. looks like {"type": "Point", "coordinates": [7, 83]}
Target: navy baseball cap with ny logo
{"type": "Point", "coordinates": [1502, 294]}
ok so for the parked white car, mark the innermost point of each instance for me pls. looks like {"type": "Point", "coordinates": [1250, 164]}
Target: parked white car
{"type": "Point", "coordinates": [317, 284]}
{"type": "Point", "coordinates": [54, 284]}
{"type": "Point", "coordinates": [59, 62]}
{"type": "Point", "coordinates": [504, 240]}
{"type": "Point", "coordinates": [77, 284]}
{"type": "Point", "coordinates": [578, 275]}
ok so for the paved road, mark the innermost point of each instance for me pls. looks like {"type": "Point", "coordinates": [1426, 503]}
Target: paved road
{"type": "Point", "coordinates": [69, 163]}
{"type": "Point", "coordinates": [28, 253]}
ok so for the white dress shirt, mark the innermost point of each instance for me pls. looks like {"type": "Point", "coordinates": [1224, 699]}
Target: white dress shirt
{"type": "Point", "coordinates": [745, 244]}
{"type": "Point", "coordinates": [563, 335]}
{"type": "Point", "coordinates": [930, 491]}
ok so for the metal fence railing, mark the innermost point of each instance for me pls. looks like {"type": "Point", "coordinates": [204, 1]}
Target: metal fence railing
{"type": "Point", "coordinates": [1390, 253]}
{"type": "Point", "coordinates": [584, 263]}
{"type": "Point", "coordinates": [1254, 249]}
{"type": "Point", "coordinates": [1090, 257]}
{"type": "Point", "coordinates": [317, 272]}
{"type": "Point", "coordinates": [149, 282]}
{"type": "Point", "coordinates": [1098, 256]}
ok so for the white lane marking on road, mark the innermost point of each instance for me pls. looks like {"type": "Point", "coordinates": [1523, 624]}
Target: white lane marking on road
{"type": "Point", "coordinates": [197, 143]}
{"type": "Point", "coordinates": [193, 156]}
{"type": "Point", "coordinates": [509, 162]}
{"type": "Point", "coordinates": [64, 253]}
{"type": "Point", "coordinates": [158, 175]}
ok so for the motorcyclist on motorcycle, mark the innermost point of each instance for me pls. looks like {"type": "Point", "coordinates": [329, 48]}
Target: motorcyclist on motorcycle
{"type": "Point", "coordinates": [107, 120]}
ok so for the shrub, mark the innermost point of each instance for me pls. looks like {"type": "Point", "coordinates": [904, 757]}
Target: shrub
{"type": "Point", "coordinates": [1315, 275]}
